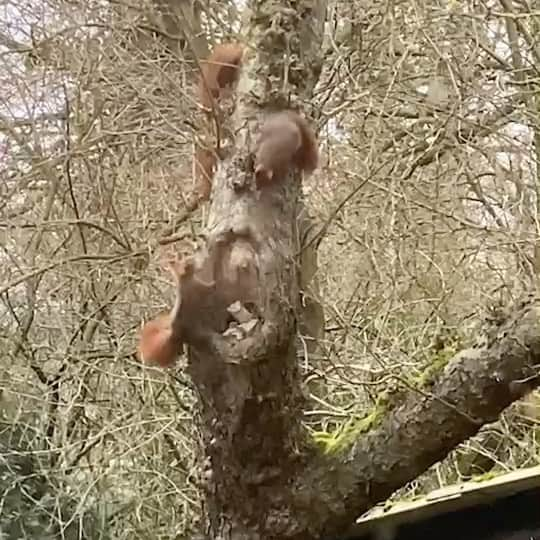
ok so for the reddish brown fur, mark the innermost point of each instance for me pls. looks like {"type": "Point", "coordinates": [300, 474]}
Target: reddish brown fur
{"type": "Point", "coordinates": [286, 139]}
{"type": "Point", "coordinates": [220, 70]}
{"type": "Point", "coordinates": [159, 342]}
{"type": "Point", "coordinates": [156, 344]}
{"type": "Point", "coordinates": [219, 73]}
{"type": "Point", "coordinates": [205, 288]}
{"type": "Point", "coordinates": [205, 163]}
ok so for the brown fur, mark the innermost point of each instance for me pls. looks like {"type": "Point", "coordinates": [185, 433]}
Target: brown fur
{"type": "Point", "coordinates": [219, 74]}
{"type": "Point", "coordinates": [205, 288]}
{"type": "Point", "coordinates": [156, 343]}
{"type": "Point", "coordinates": [219, 71]}
{"type": "Point", "coordinates": [205, 164]}
{"type": "Point", "coordinates": [286, 140]}
{"type": "Point", "coordinates": [160, 340]}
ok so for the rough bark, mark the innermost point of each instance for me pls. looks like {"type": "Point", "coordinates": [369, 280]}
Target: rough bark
{"type": "Point", "coordinates": [265, 480]}
{"type": "Point", "coordinates": [427, 423]}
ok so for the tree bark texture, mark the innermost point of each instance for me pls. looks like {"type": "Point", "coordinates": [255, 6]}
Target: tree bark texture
{"type": "Point", "coordinates": [265, 478]}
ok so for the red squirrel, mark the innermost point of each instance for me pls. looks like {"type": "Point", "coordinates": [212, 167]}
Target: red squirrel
{"type": "Point", "coordinates": [219, 74]}
{"type": "Point", "coordinates": [205, 289]}
{"type": "Point", "coordinates": [160, 342]}
{"type": "Point", "coordinates": [286, 138]}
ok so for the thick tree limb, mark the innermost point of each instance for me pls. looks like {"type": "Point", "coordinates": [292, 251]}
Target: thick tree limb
{"type": "Point", "coordinates": [474, 388]}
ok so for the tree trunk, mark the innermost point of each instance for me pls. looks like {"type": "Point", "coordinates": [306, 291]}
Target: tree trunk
{"type": "Point", "coordinates": [265, 478]}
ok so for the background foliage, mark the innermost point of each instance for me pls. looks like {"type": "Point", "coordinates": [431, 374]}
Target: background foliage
{"type": "Point", "coordinates": [428, 116]}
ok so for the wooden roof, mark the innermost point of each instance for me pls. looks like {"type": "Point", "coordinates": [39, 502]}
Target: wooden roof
{"type": "Point", "coordinates": [447, 499]}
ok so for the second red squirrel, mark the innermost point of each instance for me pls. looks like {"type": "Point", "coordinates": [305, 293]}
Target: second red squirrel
{"type": "Point", "coordinates": [160, 342]}
{"type": "Point", "coordinates": [219, 72]}
{"type": "Point", "coordinates": [161, 339]}
{"type": "Point", "coordinates": [286, 138]}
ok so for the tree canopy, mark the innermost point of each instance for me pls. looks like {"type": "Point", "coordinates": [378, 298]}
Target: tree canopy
{"type": "Point", "coordinates": [396, 315]}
